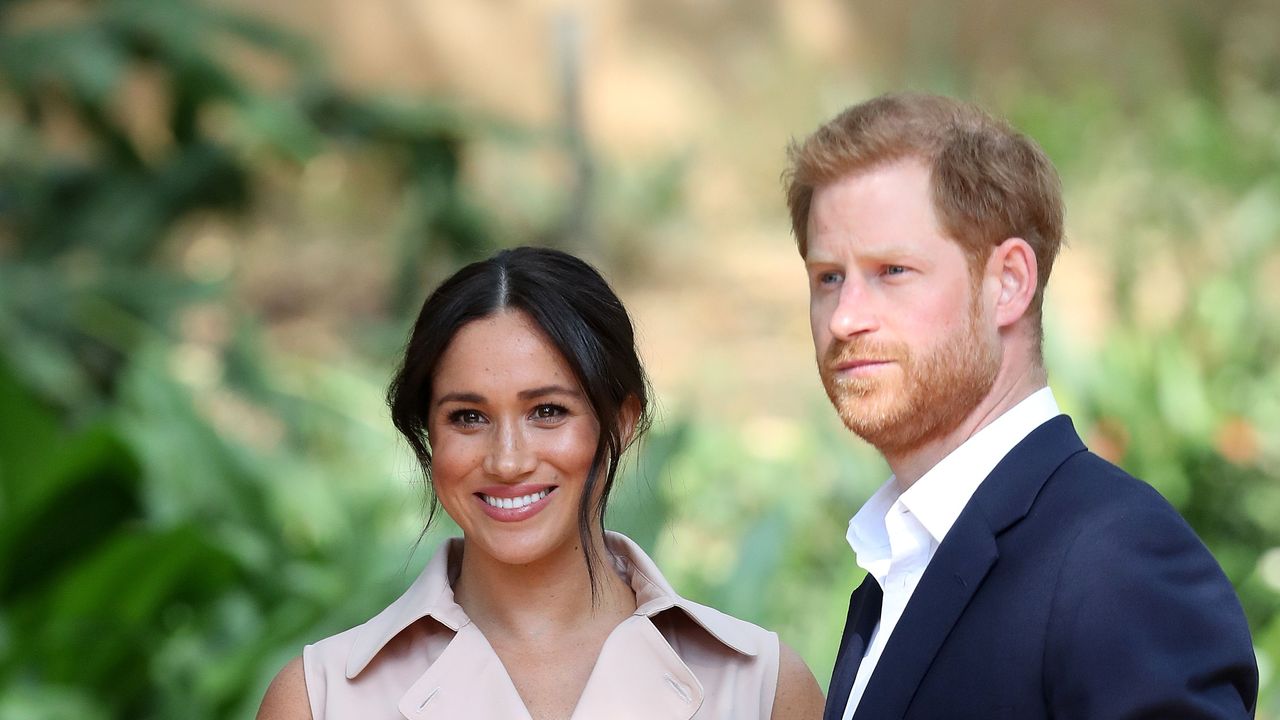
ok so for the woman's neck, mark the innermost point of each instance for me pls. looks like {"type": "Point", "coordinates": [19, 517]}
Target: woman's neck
{"type": "Point", "coordinates": [546, 598]}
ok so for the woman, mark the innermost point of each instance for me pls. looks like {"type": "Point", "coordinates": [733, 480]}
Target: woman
{"type": "Point", "coordinates": [519, 392]}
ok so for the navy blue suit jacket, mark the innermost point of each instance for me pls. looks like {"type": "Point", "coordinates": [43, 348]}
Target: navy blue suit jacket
{"type": "Point", "coordinates": [1065, 589]}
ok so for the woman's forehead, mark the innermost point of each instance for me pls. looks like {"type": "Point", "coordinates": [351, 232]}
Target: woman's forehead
{"type": "Point", "coordinates": [506, 350]}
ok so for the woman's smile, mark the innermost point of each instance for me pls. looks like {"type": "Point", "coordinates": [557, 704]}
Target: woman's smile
{"type": "Point", "coordinates": [509, 505]}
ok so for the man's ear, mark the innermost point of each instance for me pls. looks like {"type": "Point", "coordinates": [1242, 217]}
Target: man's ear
{"type": "Point", "coordinates": [1013, 265]}
{"type": "Point", "coordinates": [628, 416]}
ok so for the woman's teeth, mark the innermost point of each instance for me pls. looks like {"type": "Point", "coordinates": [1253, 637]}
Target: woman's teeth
{"type": "Point", "coordinates": [516, 503]}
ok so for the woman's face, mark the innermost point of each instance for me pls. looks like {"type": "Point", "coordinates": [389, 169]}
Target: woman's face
{"type": "Point", "coordinates": [512, 438]}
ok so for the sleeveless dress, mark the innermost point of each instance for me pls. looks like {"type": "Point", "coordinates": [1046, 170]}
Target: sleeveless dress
{"type": "Point", "coordinates": [423, 659]}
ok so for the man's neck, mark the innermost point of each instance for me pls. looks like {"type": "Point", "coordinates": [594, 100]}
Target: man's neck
{"type": "Point", "coordinates": [1008, 390]}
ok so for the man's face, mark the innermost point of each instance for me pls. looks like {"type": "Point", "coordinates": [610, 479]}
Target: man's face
{"type": "Point", "coordinates": [905, 344]}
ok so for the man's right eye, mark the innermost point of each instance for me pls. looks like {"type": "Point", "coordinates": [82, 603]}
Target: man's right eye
{"type": "Point", "coordinates": [830, 278]}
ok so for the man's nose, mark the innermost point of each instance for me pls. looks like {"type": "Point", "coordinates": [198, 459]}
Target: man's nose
{"type": "Point", "coordinates": [510, 456]}
{"type": "Point", "coordinates": [855, 312]}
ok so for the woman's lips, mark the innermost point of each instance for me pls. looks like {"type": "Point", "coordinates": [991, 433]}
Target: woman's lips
{"type": "Point", "coordinates": [514, 503]}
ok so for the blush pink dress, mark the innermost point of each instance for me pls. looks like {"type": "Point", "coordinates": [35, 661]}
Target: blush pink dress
{"type": "Point", "coordinates": [423, 659]}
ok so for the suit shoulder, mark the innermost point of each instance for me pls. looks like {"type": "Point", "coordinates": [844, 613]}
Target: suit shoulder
{"type": "Point", "coordinates": [1110, 519]}
{"type": "Point", "coordinates": [1142, 615]}
{"type": "Point", "coordinates": [1098, 515]}
{"type": "Point", "coordinates": [1101, 490]}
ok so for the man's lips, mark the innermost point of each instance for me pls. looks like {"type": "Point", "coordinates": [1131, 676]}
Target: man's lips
{"type": "Point", "coordinates": [860, 364]}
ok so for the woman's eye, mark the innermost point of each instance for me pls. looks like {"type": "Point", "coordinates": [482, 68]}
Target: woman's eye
{"type": "Point", "coordinates": [548, 412]}
{"type": "Point", "coordinates": [465, 417]}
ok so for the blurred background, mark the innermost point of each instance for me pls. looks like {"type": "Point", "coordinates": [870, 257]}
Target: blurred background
{"type": "Point", "coordinates": [218, 218]}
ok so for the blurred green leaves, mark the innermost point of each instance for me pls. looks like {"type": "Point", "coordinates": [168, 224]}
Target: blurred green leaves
{"type": "Point", "coordinates": [154, 558]}
{"type": "Point", "coordinates": [84, 577]}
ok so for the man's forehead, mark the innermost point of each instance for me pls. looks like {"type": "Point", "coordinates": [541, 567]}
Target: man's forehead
{"type": "Point", "coordinates": [840, 248]}
{"type": "Point", "coordinates": [872, 212]}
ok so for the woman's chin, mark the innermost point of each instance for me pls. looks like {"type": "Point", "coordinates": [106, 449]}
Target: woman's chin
{"type": "Point", "coordinates": [519, 547]}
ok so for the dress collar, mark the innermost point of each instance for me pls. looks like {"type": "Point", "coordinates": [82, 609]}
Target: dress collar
{"type": "Point", "coordinates": [431, 595]}
{"type": "Point", "coordinates": [655, 595]}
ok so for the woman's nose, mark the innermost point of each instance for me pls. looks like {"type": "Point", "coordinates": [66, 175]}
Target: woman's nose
{"type": "Point", "coordinates": [510, 456]}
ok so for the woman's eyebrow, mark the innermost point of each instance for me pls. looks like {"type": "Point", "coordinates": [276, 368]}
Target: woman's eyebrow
{"type": "Point", "coordinates": [546, 390]}
{"type": "Point", "coordinates": [463, 397]}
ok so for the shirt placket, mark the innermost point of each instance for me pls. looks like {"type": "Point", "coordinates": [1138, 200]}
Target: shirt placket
{"type": "Point", "coordinates": [908, 552]}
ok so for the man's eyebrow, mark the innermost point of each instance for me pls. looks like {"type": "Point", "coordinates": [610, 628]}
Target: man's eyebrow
{"type": "Point", "coordinates": [463, 397]}
{"type": "Point", "coordinates": [546, 390]}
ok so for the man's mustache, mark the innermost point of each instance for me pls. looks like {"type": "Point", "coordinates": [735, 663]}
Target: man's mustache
{"type": "Point", "coordinates": [863, 349]}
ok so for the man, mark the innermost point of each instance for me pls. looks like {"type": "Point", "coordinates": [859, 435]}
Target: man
{"type": "Point", "coordinates": [1011, 572]}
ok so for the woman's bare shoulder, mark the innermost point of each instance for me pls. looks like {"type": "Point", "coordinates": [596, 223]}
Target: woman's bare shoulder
{"type": "Point", "coordinates": [798, 696]}
{"type": "Point", "coordinates": [286, 697]}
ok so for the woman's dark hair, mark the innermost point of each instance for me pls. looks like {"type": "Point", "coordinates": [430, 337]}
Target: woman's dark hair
{"type": "Point", "coordinates": [584, 320]}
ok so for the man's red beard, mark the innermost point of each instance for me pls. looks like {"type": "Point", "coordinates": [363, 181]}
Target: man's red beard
{"type": "Point", "coordinates": [919, 397]}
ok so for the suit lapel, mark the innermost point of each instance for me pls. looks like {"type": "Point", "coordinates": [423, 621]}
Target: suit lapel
{"type": "Point", "coordinates": [864, 613]}
{"type": "Point", "coordinates": [953, 576]}
{"type": "Point", "coordinates": [961, 564]}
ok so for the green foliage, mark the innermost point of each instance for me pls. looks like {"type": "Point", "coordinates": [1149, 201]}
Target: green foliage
{"type": "Point", "coordinates": [84, 227]}
{"type": "Point", "coordinates": [143, 570]}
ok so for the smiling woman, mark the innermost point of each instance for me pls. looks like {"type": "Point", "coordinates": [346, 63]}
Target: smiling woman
{"type": "Point", "coordinates": [514, 443]}
{"type": "Point", "coordinates": [567, 309]}
{"type": "Point", "coordinates": [519, 392]}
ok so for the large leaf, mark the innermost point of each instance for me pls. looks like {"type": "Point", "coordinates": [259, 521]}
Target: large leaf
{"type": "Point", "coordinates": [62, 492]}
{"type": "Point", "coordinates": [99, 623]}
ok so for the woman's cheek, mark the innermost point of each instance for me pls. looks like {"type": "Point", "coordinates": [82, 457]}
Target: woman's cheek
{"type": "Point", "coordinates": [578, 450]}
{"type": "Point", "coordinates": [450, 462]}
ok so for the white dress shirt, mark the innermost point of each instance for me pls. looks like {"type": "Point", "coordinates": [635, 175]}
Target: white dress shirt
{"type": "Point", "coordinates": [896, 533]}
